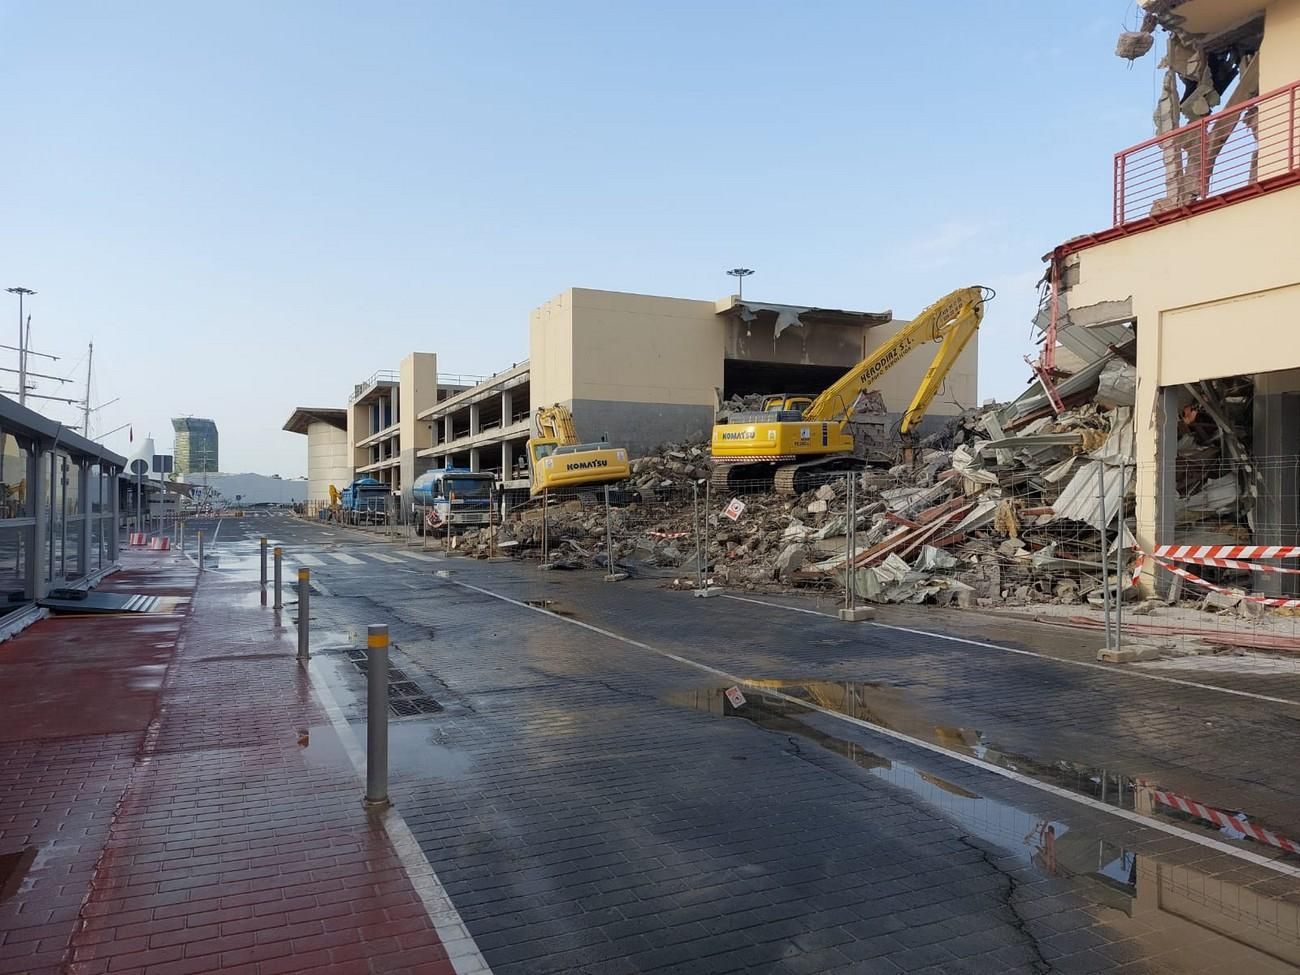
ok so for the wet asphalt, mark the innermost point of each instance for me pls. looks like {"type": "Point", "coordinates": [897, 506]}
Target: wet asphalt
{"type": "Point", "coordinates": [593, 804]}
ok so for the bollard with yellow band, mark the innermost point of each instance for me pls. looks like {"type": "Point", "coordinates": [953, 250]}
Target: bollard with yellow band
{"type": "Point", "coordinates": [304, 612]}
{"type": "Point", "coordinates": [377, 715]}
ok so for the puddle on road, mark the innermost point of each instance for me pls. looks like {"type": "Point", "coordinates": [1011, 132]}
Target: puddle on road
{"type": "Point", "coordinates": [322, 748]}
{"type": "Point", "coordinates": [417, 750]}
{"type": "Point", "coordinates": [890, 707]}
{"type": "Point", "coordinates": [552, 606]}
{"type": "Point", "coordinates": [1185, 919]}
{"type": "Point", "coordinates": [13, 870]}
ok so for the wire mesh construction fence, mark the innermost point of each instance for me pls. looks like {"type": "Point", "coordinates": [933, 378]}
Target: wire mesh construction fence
{"type": "Point", "coordinates": [1207, 576]}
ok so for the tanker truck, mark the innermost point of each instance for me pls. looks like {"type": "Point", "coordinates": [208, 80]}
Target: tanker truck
{"type": "Point", "coordinates": [454, 497]}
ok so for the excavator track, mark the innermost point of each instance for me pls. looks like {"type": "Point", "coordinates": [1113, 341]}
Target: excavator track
{"type": "Point", "coordinates": [741, 478]}
{"type": "Point", "coordinates": [792, 480]}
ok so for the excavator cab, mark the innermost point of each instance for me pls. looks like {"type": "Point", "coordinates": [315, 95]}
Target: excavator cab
{"type": "Point", "coordinates": [786, 404]}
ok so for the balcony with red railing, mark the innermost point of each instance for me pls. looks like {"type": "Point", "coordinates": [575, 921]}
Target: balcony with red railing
{"type": "Point", "coordinates": [1239, 152]}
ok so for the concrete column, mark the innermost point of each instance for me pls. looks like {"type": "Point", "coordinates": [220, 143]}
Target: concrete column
{"type": "Point", "coordinates": [448, 429]}
{"type": "Point", "coordinates": [507, 460]}
{"type": "Point", "coordinates": [117, 513]}
{"type": "Point", "coordinates": [473, 459]}
{"type": "Point", "coordinates": [83, 493]}
{"type": "Point", "coordinates": [37, 563]}
{"type": "Point", "coordinates": [1277, 444]}
{"type": "Point", "coordinates": [473, 419]}
{"type": "Point", "coordinates": [507, 407]}
{"type": "Point", "coordinates": [1169, 402]}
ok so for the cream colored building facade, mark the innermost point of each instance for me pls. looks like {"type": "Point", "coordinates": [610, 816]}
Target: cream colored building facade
{"type": "Point", "coordinates": [1211, 280]}
{"type": "Point", "coordinates": [385, 431]}
{"type": "Point", "coordinates": [642, 370]}
{"type": "Point", "coordinates": [329, 459]}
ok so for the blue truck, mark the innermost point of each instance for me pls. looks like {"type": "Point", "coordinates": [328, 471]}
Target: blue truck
{"type": "Point", "coordinates": [365, 502]}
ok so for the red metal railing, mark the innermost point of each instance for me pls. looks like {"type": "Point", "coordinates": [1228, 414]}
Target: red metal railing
{"type": "Point", "coordinates": [1248, 148]}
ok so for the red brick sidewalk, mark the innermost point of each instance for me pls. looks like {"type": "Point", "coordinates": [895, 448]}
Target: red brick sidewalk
{"type": "Point", "coordinates": [175, 800]}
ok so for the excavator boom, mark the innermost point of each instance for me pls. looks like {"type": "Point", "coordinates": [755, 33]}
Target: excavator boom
{"type": "Point", "coordinates": [955, 315]}
{"type": "Point", "coordinates": [556, 423]}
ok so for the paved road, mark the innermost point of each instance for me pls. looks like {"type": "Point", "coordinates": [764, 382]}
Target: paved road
{"type": "Point", "coordinates": [593, 803]}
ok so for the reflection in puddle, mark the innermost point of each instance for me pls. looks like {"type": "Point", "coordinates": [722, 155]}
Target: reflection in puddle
{"type": "Point", "coordinates": [1186, 919]}
{"type": "Point", "coordinates": [551, 606]}
{"type": "Point", "coordinates": [890, 707]}
{"type": "Point", "coordinates": [322, 748]}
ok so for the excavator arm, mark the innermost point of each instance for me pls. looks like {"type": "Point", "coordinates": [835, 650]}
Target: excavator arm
{"type": "Point", "coordinates": [951, 321]}
{"type": "Point", "coordinates": [556, 423]}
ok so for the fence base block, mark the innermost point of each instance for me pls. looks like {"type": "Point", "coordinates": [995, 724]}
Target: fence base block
{"type": "Point", "coordinates": [616, 577]}
{"type": "Point", "coordinates": [708, 591]}
{"type": "Point", "coordinates": [1128, 655]}
{"type": "Point", "coordinates": [857, 614]}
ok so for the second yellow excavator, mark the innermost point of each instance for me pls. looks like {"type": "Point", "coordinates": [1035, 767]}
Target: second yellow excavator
{"type": "Point", "coordinates": [792, 439]}
{"type": "Point", "coordinates": [556, 459]}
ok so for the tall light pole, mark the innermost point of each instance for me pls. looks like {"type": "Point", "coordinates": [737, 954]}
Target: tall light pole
{"type": "Point", "coordinates": [740, 273]}
{"type": "Point", "coordinates": [22, 345]}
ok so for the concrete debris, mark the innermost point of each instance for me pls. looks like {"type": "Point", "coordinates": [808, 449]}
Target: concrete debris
{"type": "Point", "coordinates": [999, 507]}
{"type": "Point", "coordinates": [1133, 44]}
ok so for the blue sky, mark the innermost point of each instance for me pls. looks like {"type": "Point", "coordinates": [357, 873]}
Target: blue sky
{"type": "Point", "coordinates": [250, 206]}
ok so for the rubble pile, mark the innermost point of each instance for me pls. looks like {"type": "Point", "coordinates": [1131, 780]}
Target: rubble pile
{"type": "Point", "coordinates": [1000, 506]}
{"type": "Point", "coordinates": [1007, 504]}
{"type": "Point", "coordinates": [673, 467]}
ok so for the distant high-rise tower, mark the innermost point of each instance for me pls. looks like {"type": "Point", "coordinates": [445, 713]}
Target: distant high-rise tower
{"type": "Point", "coordinates": [196, 445]}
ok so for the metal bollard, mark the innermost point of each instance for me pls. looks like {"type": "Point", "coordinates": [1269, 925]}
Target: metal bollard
{"type": "Point", "coordinates": [263, 561]}
{"type": "Point", "coordinates": [377, 715]}
{"type": "Point", "coordinates": [279, 599]}
{"type": "Point", "coordinates": [304, 613]}
{"type": "Point", "coordinates": [200, 552]}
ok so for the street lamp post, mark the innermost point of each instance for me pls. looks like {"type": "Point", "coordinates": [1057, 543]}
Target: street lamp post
{"type": "Point", "coordinates": [22, 345]}
{"type": "Point", "coordinates": [740, 273]}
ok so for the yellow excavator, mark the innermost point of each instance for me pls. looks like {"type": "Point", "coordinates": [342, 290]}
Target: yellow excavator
{"type": "Point", "coordinates": [793, 438]}
{"type": "Point", "coordinates": [556, 458]}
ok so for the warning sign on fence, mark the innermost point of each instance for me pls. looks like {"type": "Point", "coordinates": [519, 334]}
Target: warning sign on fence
{"type": "Point", "coordinates": [735, 509]}
{"type": "Point", "coordinates": [735, 697]}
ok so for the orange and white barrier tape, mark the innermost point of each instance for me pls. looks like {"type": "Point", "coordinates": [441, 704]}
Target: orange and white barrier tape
{"type": "Point", "coordinates": [1191, 577]}
{"type": "Point", "coordinates": [1137, 569]}
{"type": "Point", "coordinates": [1238, 564]}
{"type": "Point", "coordinates": [667, 534]}
{"type": "Point", "coordinates": [1232, 556]}
{"type": "Point", "coordinates": [1189, 553]}
{"type": "Point", "coordinates": [1220, 818]}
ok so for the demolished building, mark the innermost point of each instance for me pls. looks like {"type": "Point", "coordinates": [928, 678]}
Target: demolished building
{"type": "Point", "coordinates": [1201, 265]}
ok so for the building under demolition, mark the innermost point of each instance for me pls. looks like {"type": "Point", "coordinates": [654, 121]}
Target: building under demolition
{"type": "Point", "coordinates": [639, 370]}
{"type": "Point", "coordinates": [1193, 290]}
